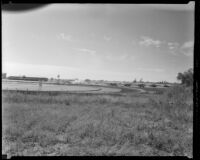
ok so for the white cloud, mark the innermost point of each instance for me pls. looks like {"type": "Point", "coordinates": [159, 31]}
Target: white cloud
{"type": "Point", "coordinates": [173, 47]}
{"type": "Point", "coordinates": [65, 37]}
{"type": "Point", "coordinates": [88, 51]}
{"type": "Point", "coordinates": [107, 38]}
{"type": "Point", "coordinates": [188, 44]}
{"type": "Point", "coordinates": [146, 41]}
{"type": "Point", "coordinates": [187, 48]}
{"type": "Point", "coordinates": [151, 69]}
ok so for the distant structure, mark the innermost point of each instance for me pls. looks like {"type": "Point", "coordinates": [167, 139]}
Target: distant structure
{"type": "Point", "coordinates": [113, 84]}
{"type": "Point", "coordinates": [127, 84]}
{"type": "Point", "coordinates": [58, 80]}
{"type": "Point", "coordinates": [163, 82]}
{"type": "Point", "coordinates": [141, 85]}
{"type": "Point", "coordinates": [27, 78]}
{"type": "Point", "coordinates": [3, 75]}
{"type": "Point", "coordinates": [40, 85]}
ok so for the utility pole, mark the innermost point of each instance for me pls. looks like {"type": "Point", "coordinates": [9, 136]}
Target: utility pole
{"type": "Point", "coordinates": [40, 85]}
{"type": "Point", "coordinates": [58, 76]}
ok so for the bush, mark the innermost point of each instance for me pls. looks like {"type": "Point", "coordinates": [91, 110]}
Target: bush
{"type": "Point", "coordinates": [186, 78]}
{"type": "Point", "coordinates": [153, 85]}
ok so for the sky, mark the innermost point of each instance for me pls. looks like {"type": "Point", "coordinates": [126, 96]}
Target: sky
{"type": "Point", "coordinates": [119, 42]}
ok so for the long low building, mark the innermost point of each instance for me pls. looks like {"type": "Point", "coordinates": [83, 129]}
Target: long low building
{"type": "Point", "coordinates": [27, 78]}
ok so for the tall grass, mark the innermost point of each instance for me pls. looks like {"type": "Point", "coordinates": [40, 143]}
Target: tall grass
{"type": "Point", "coordinates": [73, 124]}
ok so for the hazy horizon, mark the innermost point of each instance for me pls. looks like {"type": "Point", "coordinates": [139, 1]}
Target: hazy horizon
{"type": "Point", "coordinates": [117, 42]}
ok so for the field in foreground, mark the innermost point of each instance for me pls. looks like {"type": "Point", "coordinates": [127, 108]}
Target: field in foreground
{"type": "Point", "coordinates": [83, 124]}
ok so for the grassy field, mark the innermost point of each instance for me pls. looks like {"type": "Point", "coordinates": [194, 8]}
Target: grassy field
{"type": "Point", "coordinates": [160, 124]}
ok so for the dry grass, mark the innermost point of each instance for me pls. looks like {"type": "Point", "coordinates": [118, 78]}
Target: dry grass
{"type": "Point", "coordinates": [72, 124]}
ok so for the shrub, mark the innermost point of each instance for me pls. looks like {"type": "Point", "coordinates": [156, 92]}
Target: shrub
{"type": "Point", "coordinates": [166, 85]}
{"type": "Point", "coordinates": [186, 78]}
{"type": "Point", "coordinates": [153, 85]}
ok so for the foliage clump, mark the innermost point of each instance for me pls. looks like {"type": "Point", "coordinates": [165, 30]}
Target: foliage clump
{"type": "Point", "coordinates": [186, 78]}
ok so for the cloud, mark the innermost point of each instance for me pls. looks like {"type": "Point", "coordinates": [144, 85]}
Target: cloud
{"type": "Point", "coordinates": [173, 47]}
{"type": "Point", "coordinates": [188, 44]}
{"type": "Point", "coordinates": [187, 48]}
{"type": "Point", "coordinates": [146, 41]}
{"type": "Point", "coordinates": [65, 37]}
{"type": "Point", "coordinates": [88, 51]}
{"type": "Point", "coordinates": [107, 38]}
{"type": "Point", "coordinates": [151, 69]}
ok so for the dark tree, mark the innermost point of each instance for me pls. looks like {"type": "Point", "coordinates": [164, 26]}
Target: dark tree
{"type": "Point", "coordinates": [153, 85]}
{"type": "Point", "coordinates": [186, 78]}
{"type": "Point", "coordinates": [87, 80]}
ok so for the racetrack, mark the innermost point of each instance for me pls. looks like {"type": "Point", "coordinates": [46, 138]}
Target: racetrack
{"type": "Point", "coordinates": [19, 85]}
{"type": "Point", "coordinates": [34, 86]}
